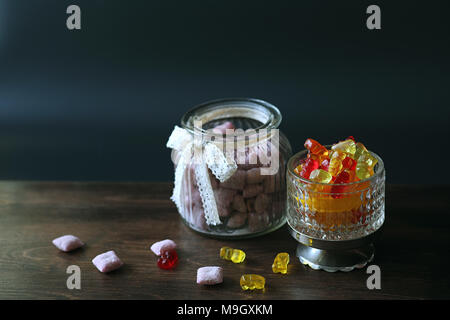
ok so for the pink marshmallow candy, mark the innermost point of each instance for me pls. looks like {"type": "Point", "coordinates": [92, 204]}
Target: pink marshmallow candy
{"type": "Point", "coordinates": [107, 261]}
{"type": "Point", "coordinates": [209, 275]}
{"type": "Point", "coordinates": [222, 129]}
{"type": "Point", "coordinates": [67, 243]}
{"type": "Point", "coordinates": [163, 245]}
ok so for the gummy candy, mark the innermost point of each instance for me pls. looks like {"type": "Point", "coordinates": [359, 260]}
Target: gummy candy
{"type": "Point", "coordinates": [325, 166]}
{"type": "Point", "coordinates": [335, 165]}
{"type": "Point", "coordinates": [280, 263]}
{"type": "Point", "coordinates": [235, 255]}
{"type": "Point", "coordinates": [364, 167]}
{"type": "Point", "coordinates": [343, 177]}
{"type": "Point", "coordinates": [349, 163]}
{"type": "Point", "coordinates": [347, 146]}
{"type": "Point", "coordinates": [309, 165]}
{"type": "Point", "coordinates": [315, 147]}
{"type": "Point", "coordinates": [360, 148]}
{"type": "Point", "coordinates": [252, 282]}
{"type": "Point", "coordinates": [321, 176]}
{"type": "Point", "coordinates": [338, 200]}
{"type": "Point", "coordinates": [352, 175]}
{"type": "Point", "coordinates": [168, 259]}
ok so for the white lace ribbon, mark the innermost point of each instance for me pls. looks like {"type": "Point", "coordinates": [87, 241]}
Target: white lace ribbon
{"type": "Point", "coordinates": [212, 157]}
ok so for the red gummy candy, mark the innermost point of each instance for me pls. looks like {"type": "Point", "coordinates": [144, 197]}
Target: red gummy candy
{"type": "Point", "coordinates": [325, 163]}
{"type": "Point", "coordinates": [168, 259]}
{"type": "Point", "coordinates": [351, 138]}
{"type": "Point", "coordinates": [309, 165]}
{"type": "Point", "coordinates": [343, 177]}
{"type": "Point", "coordinates": [349, 163]}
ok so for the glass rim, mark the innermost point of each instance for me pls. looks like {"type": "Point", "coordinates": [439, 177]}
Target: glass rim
{"type": "Point", "coordinates": [272, 113]}
{"type": "Point", "coordinates": [379, 169]}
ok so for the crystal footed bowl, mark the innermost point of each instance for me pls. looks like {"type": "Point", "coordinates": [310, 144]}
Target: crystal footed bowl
{"type": "Point", "coordinates": [316, 211]}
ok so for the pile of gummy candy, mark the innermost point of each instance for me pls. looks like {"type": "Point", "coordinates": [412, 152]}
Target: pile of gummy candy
{"type": "Point", "coordinates": [347, 161]}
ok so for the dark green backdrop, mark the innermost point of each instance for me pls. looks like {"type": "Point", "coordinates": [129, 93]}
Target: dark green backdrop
{"type": "Point", "coordinates": [99, 103]}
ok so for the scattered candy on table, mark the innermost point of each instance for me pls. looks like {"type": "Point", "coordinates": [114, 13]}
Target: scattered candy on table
{"type": "Point", "coordinates": [235, 255]}
{"type": "Point", "coordinates": [280, 263]}
{"type": "Point", "coordinates": [107, 261]}
{"type": "Point", "coordinates": [168, 259]}
{"type": "Point", "coordinates": [67, 243]}
{"type": "Point", "coordinates": [252, 282]}
{"type": "Point", "coordinates": [209, 275]}
{"type": "Point", "coordinates": [163, 245]}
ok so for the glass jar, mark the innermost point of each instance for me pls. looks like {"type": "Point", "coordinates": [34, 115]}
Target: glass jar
{"type": "Point", "coordinates": [251, 201]}
{"type": "Point", "coordinates": [334, 211]}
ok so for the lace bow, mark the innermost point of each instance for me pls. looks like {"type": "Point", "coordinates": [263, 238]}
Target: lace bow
{"type": "Point", "coordinates": [206, 155]}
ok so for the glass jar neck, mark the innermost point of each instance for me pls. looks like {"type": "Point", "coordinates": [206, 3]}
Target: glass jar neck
{"type": "Point", "coordinates": [262, 113]}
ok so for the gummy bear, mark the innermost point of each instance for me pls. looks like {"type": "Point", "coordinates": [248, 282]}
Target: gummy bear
{"type": "Point", "coordinates": [335, 165]}
{"type": "Point", "coordinates": [168, 259]}
{"type": "Point", "coordinates": [320, 176]}
{"type": "Point", "coordinates": [252, 282]}
{"type": "Point", "coordinates": [345, 155]}
{"type": "Point", "coordinates": [309, 165]}
{"type": "Point", "coordinates": [226, 253]}
{"type": "Point", "coordinates": [360, 148]}
{"type": "Point", "coordinates": [349, 163]}
{"type": "Point", "coordinates": [235, 255]}
{"type": "Point", "coordinates": [343, 177]}
{"type": "Point", "coordinates": [315, 147]}
{"type": "Point", "coordinates": [347, 146]}
{"type": "Point", "coordinates": [364, 168]}
{"type": "Point", "coordinates": [280, 263]}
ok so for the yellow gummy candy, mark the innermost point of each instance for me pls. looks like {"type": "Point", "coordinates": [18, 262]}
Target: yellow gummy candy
{"type": "Point", "coordinates": [347, 146]}
{"type": "Point", "coordinates": [360, 149]}
{"type": "Point", "coordinates": [238, 256]}
{"type": "Point", "coordinates": [235, 255]}
{"type": "Point", "coordinates": [280, 263]}
{"type": "Point", "coordinates": [364, 167]}
{"type": "Point", "coordinates": [336, 163]}
{"type": "Point", "coordinates": [252, 282]}
{"type": "Point", "coordinates": [226, 253]}
{"type": "Point", "coordinates": [321, 176]}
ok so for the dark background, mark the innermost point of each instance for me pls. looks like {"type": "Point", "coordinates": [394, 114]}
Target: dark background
{"type": "Point", "coordinates": [100, 103]}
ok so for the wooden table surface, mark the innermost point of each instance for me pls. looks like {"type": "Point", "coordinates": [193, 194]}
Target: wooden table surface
{"type": "Point", "coordinates": [413, 252]}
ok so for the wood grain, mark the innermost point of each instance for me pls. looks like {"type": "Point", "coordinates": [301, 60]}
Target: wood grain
{"type": "Point", "coordinates": [127, 217]}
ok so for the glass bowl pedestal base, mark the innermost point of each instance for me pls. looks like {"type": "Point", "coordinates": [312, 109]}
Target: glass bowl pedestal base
{"type": "Point", "coordinates": [335, 255]}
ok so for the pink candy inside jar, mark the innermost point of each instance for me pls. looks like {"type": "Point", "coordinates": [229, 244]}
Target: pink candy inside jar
{"type": "Point", "coordinates": [230, 161]}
